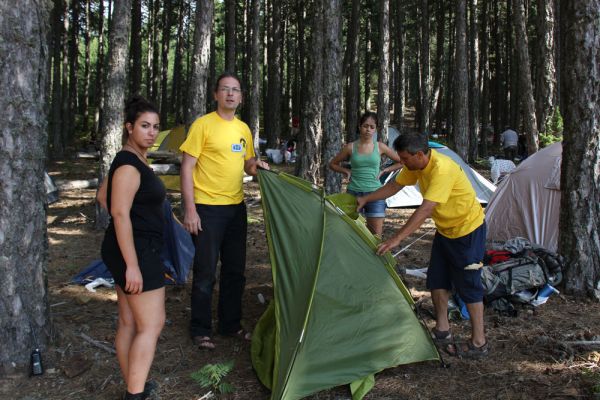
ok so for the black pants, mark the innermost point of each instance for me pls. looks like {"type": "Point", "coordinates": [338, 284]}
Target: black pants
{"type": "Point", "coordinates": [223, 235]}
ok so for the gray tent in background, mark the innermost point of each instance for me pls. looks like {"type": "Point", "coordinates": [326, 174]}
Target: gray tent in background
{"type": "Point", "coordinates": [410, 196]}
{"type": "Point", "coordinates": [527, 201]}
{"type": "Point", "coordinates": [51, 189]}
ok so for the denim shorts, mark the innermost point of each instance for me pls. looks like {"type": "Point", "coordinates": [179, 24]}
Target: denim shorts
{"type": "Point", "coordinates": [449, 257]}
{"type": "Point", "coordinates": [373, 209]}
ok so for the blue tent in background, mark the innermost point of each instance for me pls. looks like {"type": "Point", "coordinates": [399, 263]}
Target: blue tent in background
{"type": "Point", "coordinates": [177, 254]}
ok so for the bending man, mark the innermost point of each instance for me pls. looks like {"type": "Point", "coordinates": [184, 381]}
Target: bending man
{"type": "Point", "coordinates": [459, 243]}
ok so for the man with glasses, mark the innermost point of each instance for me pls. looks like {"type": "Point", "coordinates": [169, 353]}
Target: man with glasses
{"type": "Point", "coordinates": [217, 151]}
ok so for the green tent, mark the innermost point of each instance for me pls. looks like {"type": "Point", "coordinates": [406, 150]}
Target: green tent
{"type": "Point", "coordinates": [340, 312]}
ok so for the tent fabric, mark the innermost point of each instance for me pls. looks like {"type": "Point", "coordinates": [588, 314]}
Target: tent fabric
{"type": "Point", "coordinates": [340, 312]}
{"type": "Point", "coordinates": [527, 201]}
{"type": "Point", "coordinates": [51, 189]}
{"type": "Point", "coordinates": [177, 254]}
{"type": "Point", "coordinates": [410, 196]}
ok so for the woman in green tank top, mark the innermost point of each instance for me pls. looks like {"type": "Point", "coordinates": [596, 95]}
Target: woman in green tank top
{"type": "Point", "coordinates": [364, 155]}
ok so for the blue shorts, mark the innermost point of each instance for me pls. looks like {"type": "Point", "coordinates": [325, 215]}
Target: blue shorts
{"type": "Point", "coordinates": [450, 257]}
{"type": "Point", "coordinates": [373, 209]}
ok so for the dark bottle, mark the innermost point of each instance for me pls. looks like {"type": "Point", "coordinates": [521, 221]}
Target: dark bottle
{"type": "Point", "coordinates": [36, 363]}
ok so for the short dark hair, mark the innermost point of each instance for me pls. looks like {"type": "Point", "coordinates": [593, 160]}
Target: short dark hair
{"type": "Point", "coordinates": [134, 107]}
{"type": "Point", "coordinates": [412, 142]}
{"type": "Point", "coordinates": [227, 75]}
{"type": "Point", "coordinates": [366, 116]}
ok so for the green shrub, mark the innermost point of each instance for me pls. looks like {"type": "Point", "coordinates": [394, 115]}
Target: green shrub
{"type": "Point", "coordinates": [212, 375]}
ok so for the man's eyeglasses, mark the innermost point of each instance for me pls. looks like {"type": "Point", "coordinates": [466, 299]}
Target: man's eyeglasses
{"type": "Point", "coordinates": [227, 89]}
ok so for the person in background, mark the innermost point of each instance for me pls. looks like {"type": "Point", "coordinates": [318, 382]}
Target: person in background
{"type": "Point", "coordinates": [364, 155]}
{"type": "Point", "coordinates": [459, 243]}
{"type": "Point", "coordinates": [216, 153]}
{"type": "Point", "coordinates": [131, 248]}
{"type": "Point", "coordinates": [509, 140]}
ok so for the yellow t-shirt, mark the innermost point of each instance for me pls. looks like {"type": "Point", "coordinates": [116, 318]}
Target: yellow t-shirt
{"type": "Point", "coordinates": [221, 148]}
{"type": "Point", "coordinates": [443, 181]}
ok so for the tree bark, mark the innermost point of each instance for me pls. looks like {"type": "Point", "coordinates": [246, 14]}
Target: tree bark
{"type": "Point", "coordinates": [273, 104]}
{"type": "Point", "coordinates": [99, 92]}
{"type": "Point", "coordinates": [135, 48]}
{"type": "Point", "coordinates": [24, 310]}
{"type": "Point", "coordinates": [177, 79]}
{"type": "Point", "coordinates": [525, 86]}
{"type": "Point", "coordinates": [438, 76]}
{"type": "Point", "coordinates": [400, 92]}
{"type": "Point", "coordinates": [85, 95]}
{"type": "Point", "coordinates": [255, 57]}
{"type": "Point", "coordinates": [353, 90]}
{"type": "Point", "coordinates": [473, 81]}
{"type": "Point", "coordinates": [484, 73]}
{"type": "Point", "coordinates": [73, 105]}
{"type": "Point", "coordinates": [332, 75]}
{"type": "Point", "coordinates": [56, 119]}
{"type": "Point", "coordinates": [164, 66]}
{"type": "Point", "coordinates": [383, 83]}
{"type": "Point", "coordinates": [200, 58]}
{"type": "Point", "coordinates": [545, 88]}
{"type": "Point", "coordinates": [424, 72]}
{"type": "Point", "coordinates": [112, 117]}
{"type": "Point", "coordinates": [460, 132]}
{"type": "Point", "coordinates": [230, 25]}
{"type": "Point", "coordinates": [308, 163]}
{"type": "Point", "coordinates": [579, 239]}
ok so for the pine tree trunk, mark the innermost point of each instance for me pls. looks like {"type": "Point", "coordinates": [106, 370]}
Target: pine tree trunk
{"type": "Point", "coordinates": [73, 68]}
{"type": "Point", "coordinates": [545, 88]}
{"type": "Point", "coordinates": [484, 73]}
{"type": "Point", "coordinates": [177, 79]}
{"type": "Point", "coordinates": [332, 79]}
{"type": "Point", "coordinates": [367, 59]}
{"type": "Point", "coordinates": [424, 70]}
{"type": "Point", "coordinates": [460, 132]}
{"type": "Point", "coordinates": [99, 92]}
{"type": "Point", "coordinates": [67, 128]}
{"type": "Point", "coordinates": [255, 58]}
{"type": "Point", "coordinates": [230, 25]}
{"type": "Point", "coordinates": [579, 239]}
{"type": "Point", "coordinates": [56, 119]}
{"type": "Point", "coordinates": [155, 28]}
{"type": "Point", "coordinates": [473, 81]}
{"type": "Point", "coordinates": [383, 83]}
{"type": "Point", "coordinates": [525, 86]}
{"type": "Point", "coordinates": [311, 133]}
{"type": "Point", "coordinates": [353, 90]}
{"type": "Point", "coordinates": [85, 95]}
{"type": "Point", "coordinates": [164, 67]}
{"type": "Point", "coordinates": [400, 67]}
{"type": "Point", "coordinates": [24, 311]}
{"type": "Point", "coordinates": [437, 92]}
{"type": "Point", "coordinates": [200, 59]}
{"type": "Point", "coordinates": [116, 84]}
{"type": "Point", "coordinates": [273, 104]}
{"type": "Point", "coordinates": [135, 48]}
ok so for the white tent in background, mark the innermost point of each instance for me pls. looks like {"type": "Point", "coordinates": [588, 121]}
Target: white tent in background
{"type": "Point", "coordinates": [527, 201]}
{"type": "Point", "coordinates": [410, 196]}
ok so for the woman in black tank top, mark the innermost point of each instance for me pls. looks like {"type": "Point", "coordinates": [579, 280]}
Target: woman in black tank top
{"type": "Point", "coordinates": [132, 245]}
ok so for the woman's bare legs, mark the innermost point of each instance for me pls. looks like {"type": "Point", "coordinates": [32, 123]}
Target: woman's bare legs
{"type": "Point", "coordinates": [375, 225]}
{"type": "Point", "coordinates": [136, 352]}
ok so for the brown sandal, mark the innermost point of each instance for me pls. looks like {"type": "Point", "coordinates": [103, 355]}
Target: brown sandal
{"type": "Point", "coordinates": [204, 342]}
{"type": "Point", "coordinates": [468, 350]}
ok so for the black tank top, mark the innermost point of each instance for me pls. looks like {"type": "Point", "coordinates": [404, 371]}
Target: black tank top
{"type": "Point", "coordinates": [147, 218]}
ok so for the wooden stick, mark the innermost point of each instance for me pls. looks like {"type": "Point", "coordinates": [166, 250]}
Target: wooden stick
{"type": "Point", "coordinates": [97, 343]}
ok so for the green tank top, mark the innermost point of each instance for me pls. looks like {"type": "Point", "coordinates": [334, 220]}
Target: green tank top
{"type": "Point", "coordinates": [365, 169]}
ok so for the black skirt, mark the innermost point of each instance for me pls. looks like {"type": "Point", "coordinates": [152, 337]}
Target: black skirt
{"type": "Point", "coordinates": [148, 251]}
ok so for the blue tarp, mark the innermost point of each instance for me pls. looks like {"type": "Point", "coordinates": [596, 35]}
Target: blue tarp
{"type": "Point", "coordinates": [177, 254]}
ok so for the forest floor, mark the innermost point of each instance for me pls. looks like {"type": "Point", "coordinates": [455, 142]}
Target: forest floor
{"type": "Point", "coordinates": [529, 358]}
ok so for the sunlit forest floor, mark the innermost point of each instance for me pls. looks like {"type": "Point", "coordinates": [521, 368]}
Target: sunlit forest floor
{"type": "Point", "coordinates": [530, 356]}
